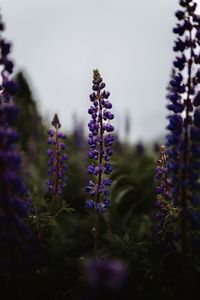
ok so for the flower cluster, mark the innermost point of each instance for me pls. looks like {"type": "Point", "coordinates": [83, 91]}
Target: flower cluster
{"type": "Point", "coordinates": [166, 210]}
{"type": "Point", "coordinates": [14, 203]}
{"type": "Point", "coordinates": [183, 142]}
{"type": "Point", "coordinates": [57, 166]}
{"type": "Point", "coordinates": [100, 142]}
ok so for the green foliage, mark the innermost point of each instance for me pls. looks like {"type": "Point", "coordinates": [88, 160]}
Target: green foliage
{"type": "Point", "coordinates": [125, 246]}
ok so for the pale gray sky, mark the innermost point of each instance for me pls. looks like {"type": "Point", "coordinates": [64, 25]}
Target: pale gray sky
{"type": "Point", "coordinates": [59, 42]}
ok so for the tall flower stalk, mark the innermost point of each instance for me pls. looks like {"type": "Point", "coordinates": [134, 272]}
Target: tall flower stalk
{"type": "Point", "coordinates": [57, 166]}
{"type": "Point", "coordinates": [15, 235]}
{"type": "Point", "coordinates": [100, 151]}
{"type": "Point", "coordinates": [183, 140]}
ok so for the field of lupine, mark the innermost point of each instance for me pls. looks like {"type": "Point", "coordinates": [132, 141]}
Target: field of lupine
{"type": "Point", "coordinates": [96, 218]}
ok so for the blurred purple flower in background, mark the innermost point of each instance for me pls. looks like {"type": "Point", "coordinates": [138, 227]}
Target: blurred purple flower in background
{"type": "Point", "coordinates": [139, 149]}
{"type": "Point", "coordinates": [57, 166]}
{"type": "Point", "coordinates": [78, 133]}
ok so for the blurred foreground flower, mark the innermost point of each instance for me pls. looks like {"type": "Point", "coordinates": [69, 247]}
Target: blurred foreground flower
{"type": "Point", "coordinates": [15, 234]}
{"type": "Point", "coordinates": [106, 275]}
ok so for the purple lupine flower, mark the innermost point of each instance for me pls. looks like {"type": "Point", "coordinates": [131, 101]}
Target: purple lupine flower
{"type": "Point", "coordinates": [15, 235]}
{"type": "Point", "coordinates": [57, 166]}
{"type": "Point", "coordinates": [100, 141]}
{"type": "Point", "coordinates": [166, 212]}
{"type": "Point", "coordinates": [183, 142]}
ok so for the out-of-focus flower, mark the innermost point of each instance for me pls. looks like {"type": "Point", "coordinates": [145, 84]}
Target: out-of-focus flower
{"type": "Point", "coordinates": [57, 166]}
{"type": "Point", "coordinates": [139, 148]}
{"type": "Point", "coordinates": [106, 275]}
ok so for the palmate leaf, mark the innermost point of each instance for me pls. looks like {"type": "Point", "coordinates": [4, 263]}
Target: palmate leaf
{"type": "Point", "coordinates": [126, 245]}
{"type": "Point", "coordinates": [65, 209]}
{"type": "Point", "coordinates": [48, 216]}
{"type": "Point", "coordinates": [121, 244]}
{"type": "Point", "coordinates": [43, 219]}
{"type": "Point", "coordinates": [115, 240]}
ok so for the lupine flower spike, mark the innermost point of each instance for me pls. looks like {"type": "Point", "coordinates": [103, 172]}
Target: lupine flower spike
{"type": "Point", "coordinates": [100, 142]}
{"type": "Point", "coordinates": [166, 211]}
{"type": "Point", "coordinates": [14, 206]}
{"type": "Point", "coordinates": [57, 166]}
{"type": "Point", "coordinates": [183, 142]}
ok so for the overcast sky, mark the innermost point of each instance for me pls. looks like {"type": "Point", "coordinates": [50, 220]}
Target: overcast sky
{"type": "Point", "coordinates": [60, 42]}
